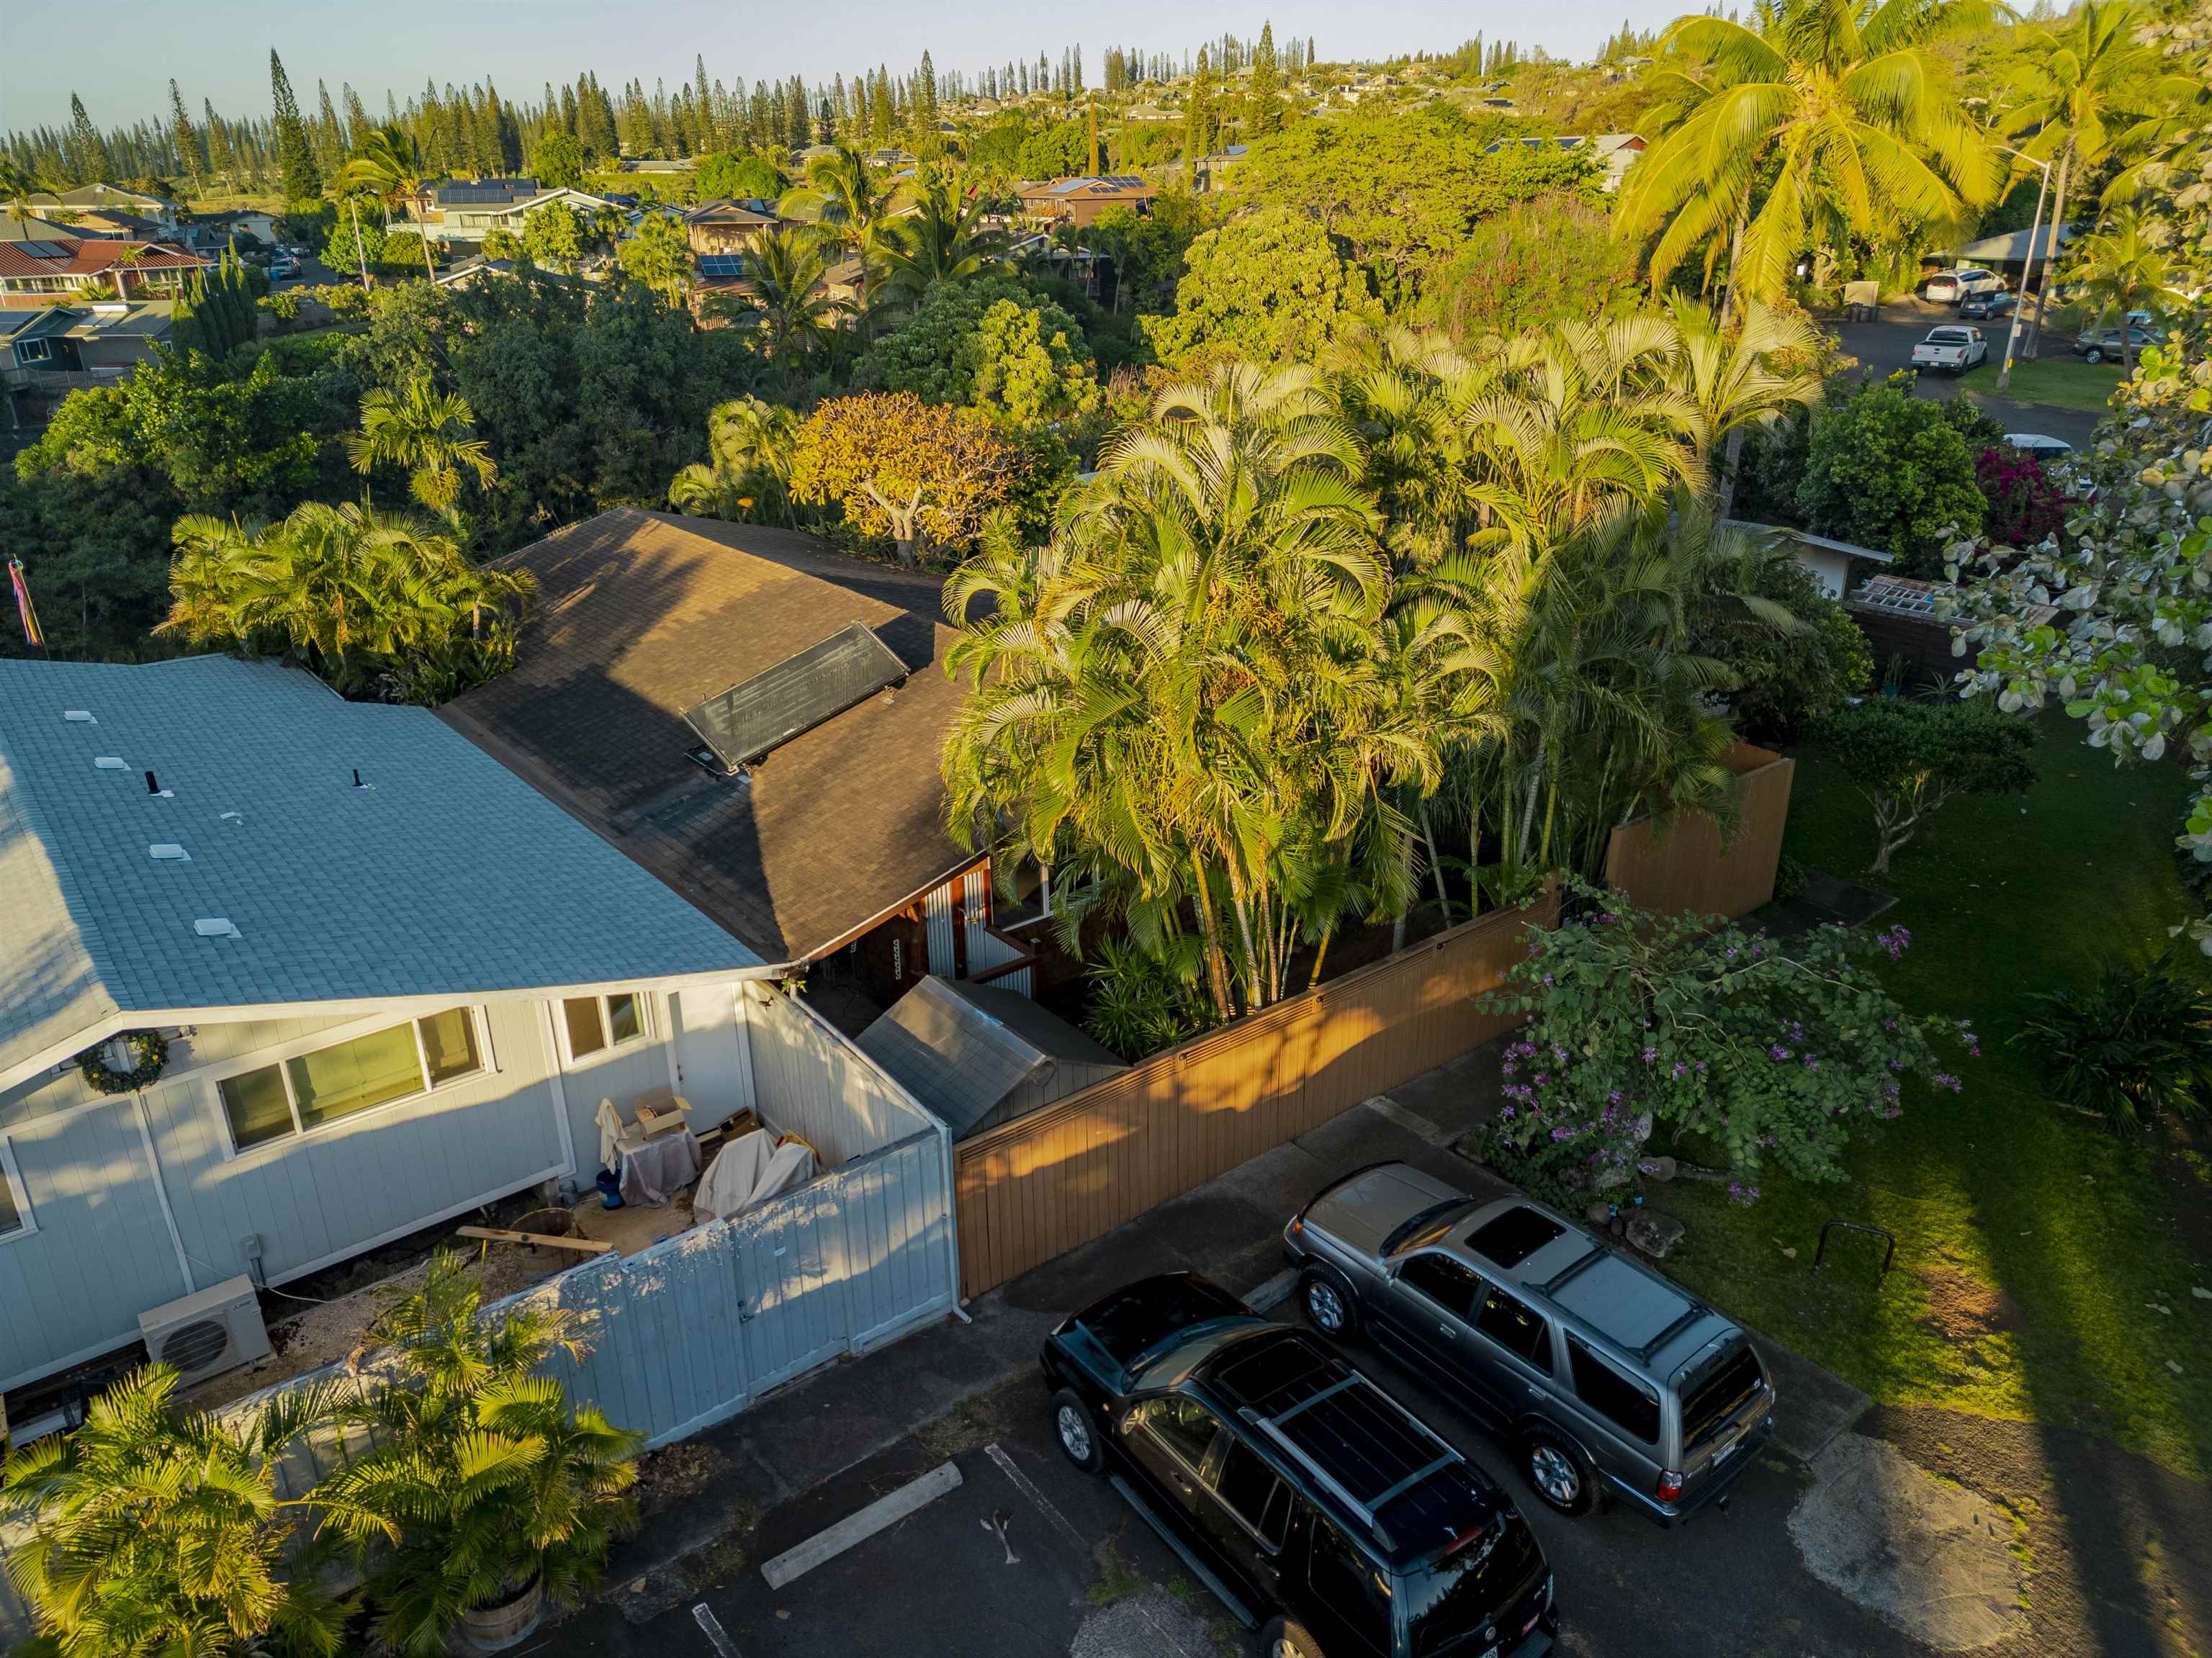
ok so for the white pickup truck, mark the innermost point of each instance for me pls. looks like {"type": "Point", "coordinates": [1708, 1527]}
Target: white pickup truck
{"type": "Point", "coordinates": [1953, 347]}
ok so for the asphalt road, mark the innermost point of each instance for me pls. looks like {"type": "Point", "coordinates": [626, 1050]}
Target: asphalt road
{"type": "Point", "coordinates": [1886, 346]}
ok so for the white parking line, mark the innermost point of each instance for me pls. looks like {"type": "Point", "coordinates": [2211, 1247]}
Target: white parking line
{"type": "Point", "coordinates": [1413, 1122]}
{"type": "Point", "coordinates": [704, 1617]}
{"type": "Point", "coordinates": [1043, 1505]}
{"type": "Point", "coordinates": [884, 1512]}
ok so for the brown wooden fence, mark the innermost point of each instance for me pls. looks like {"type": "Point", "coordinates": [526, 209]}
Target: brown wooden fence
{"type": "Point", "coordinates": [1684, 865]}
{"type": "Point", "coordinates": [1056, 1178]}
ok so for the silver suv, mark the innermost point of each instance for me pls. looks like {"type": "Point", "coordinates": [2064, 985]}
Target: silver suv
{"type": "Point", "coordinates": [1601, 1373]}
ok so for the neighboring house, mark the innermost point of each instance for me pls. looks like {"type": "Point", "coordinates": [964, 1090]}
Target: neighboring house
{"type": "Point", "coordinates": [65, 266]}
{"type": "Point", "coordinates": [1079, 201]}
{"type": "Point", "coordinates": [1838, 565]}
{"type": "Point", "coordinates": [655, 164]}
{"type": "Point", "coordinates": [1213, 170]}
{"type": "Point", "coordinates": [1897, 614]}
{"type": "Point", "coordinates": [60, 348]}
{"type": "Point", "coordinates": [394, 981]}
{"type": "Point", "coordinates": [2009, 253]}
{"type": "Point", "coordinates": [757, 720]}
{"type": "Point", "coordinates": [13, 229]}
{"type": "Point", "coordinates": [1615, 152]}
{"type": "Point", "coordinates": [723, 235]}
{"type": "Point", "coordinates": [975, 1056]}
{"type": "Point", "coordinates": [468, 210]}
{"type": "Point", "coordinates": [212, 233]}
{"type": "Point", "coordinates": [100, 200]}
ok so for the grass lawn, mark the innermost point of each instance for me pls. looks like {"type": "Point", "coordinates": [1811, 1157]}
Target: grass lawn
{"type": "Point", "coordinates": [2063, 381]}
{"type": "Point", "coordinates": [2034, 1251]}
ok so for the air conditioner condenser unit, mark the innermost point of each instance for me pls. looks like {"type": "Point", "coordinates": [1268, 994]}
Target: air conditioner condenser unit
{"type": "Point", "coordinates": [205, 1334]}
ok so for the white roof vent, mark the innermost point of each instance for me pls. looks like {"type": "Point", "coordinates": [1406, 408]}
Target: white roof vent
{"type": "Point", "coordinates": [168, 851]}
{"type": "Point", "coordinates": [110, 762]}
{"type": "Point", "coordinates": [216, 927]}
{"type": "Point", "coordinates": [79, 716]}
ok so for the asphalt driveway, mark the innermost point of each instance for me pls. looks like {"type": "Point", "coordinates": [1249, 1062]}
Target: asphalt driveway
{"type": "Point", "coordinates": [1886, 346]}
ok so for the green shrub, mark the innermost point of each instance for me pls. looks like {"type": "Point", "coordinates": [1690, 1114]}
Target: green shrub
{"type": "Point", "coordinates": [1141, 1004]}
{"type": "Point", "coordinates": [2134, 1047]}
{"type": "Point", "coordinates": [1885, 469]}
{"type": "Point", "coordinates": [1790, 878]}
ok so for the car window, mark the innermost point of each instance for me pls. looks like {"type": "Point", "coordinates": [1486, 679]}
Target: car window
{"type": "Point", "coordinates": [1510, 1322]}
{"type": "Point", "coordinates": [1629, 1406]}
{"type": "Point", "coordinates": [1452, 1285]}
{"type": "Point", "coordinates": [1184, 1425]}
{"type": "Point", "coordinates": [1343, 1581]}
{"type": "Point", "coordinates": [1463, 1590]}
{"type": "Point", "coordinates": [1253, 1493]}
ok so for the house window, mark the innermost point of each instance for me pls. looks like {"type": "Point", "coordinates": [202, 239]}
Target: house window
{"type": "Point", "coordinates": [347, 1079]}
{"type": "Point", "coordinates": [14, 1202]}
{"type": "Point", "coordinates": [597, 1022]}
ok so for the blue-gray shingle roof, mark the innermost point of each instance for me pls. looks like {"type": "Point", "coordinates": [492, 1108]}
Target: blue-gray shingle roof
{"type": "Point", "coordinates": [446, 875]}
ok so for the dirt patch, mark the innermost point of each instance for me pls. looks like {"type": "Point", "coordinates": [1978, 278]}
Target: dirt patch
{"type": "Point", "coordinates": [1963, 1309]}
{"type": "Point", "coordinates": [676, 1474]}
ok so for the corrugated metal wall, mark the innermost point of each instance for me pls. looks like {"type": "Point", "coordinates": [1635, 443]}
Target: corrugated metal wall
{"type": "Point", "coordinates": [688, 1333]}
{"type": "Point", "coordinates": [937, 914]}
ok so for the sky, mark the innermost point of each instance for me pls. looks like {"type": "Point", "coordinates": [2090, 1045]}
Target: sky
{"type": "Point", "coordinates": [118, 55]}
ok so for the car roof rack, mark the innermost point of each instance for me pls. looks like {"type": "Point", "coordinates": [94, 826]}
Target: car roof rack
{"type": "Point", "coordinates": [1352, 1439]}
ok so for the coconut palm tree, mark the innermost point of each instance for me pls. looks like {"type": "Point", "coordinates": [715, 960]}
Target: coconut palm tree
{"type": "Point", "coordinates": [942, 240]}
{"type": "Point", "coordinates": [2083, 90]}
{"type": "Point", "coordinates": [795, 317]}
{"type": "Point", "coordinates": [429, 434]}
{"type": "Point", "coordinates": [387, 165]}
{"type": "Point", "coordinates": [483, 1485]}
{"type": "Point", "coordinates": [842, 194]}
{"type": "Point", "coordinates": [2124, 268]}
{"type": "Point", "coordinates": [1814, 121]}
{"type": "Point", "coordinates": [155, 1529]}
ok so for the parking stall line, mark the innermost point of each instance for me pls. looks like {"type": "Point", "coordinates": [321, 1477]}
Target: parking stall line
{"type": "Point", "coordinates": [717, 1636]}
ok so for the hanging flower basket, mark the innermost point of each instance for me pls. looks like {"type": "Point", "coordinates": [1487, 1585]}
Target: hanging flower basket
{"type": "Point", "coordinates": [147, 1050]}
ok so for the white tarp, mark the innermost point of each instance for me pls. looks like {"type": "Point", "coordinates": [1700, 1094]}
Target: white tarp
{"type": "Point", "coordinates": [749, 1171]}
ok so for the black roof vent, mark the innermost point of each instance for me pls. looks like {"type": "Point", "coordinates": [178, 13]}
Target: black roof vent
{"type": "Point", "coordinates": [755, 716]}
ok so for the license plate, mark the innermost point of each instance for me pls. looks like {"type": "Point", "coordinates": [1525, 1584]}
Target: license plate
{"type": "Point", "coordinates": [1725, 1452]}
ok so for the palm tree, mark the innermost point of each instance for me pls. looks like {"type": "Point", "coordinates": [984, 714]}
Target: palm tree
{"type": "Point", "coordinates": [842, 194]}
{"type": "Point", "coordinates": [429, 434]}
{"type": "Point", "coordinates": [387, 164]}
{"type": "Point", "coordinates": [15, 185]}
{"type": "Point", "coordinates": [753, 443]}
{"type": "Point", "coordinates": [795, 316]}
{"type": "Point", "coordinates": [153, 1529]}
{"type": "Point", "coordinates": [2125, 269]}
{"type": "Point", "coordinates": [358, 594]}
{"type": "Point", "coordinates": [1818, 120]}
{"type": "Point", "coordinates": [2084, 90]}
{"type": "Point", "coordinates": [482, 1483]}
{"type": "Point", "coordinates": [942, 240]}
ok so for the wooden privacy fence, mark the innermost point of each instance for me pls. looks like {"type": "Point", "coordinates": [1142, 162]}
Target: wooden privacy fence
{"type": "Point", "coordinates": [1043, 1184]}
{"type": "Point", "coordinates": [1687, 865]}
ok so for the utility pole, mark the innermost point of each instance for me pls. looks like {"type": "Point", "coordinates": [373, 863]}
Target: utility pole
{"type": "Point", "coordinates": [2026, 276]}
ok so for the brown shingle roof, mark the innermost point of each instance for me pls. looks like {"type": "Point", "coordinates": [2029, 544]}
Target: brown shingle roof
{"type": "Point", "coordinates": [639, 617]}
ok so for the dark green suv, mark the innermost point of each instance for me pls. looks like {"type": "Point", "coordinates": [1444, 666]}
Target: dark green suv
{"type": "Point", "coordinates": [1319, 1509]}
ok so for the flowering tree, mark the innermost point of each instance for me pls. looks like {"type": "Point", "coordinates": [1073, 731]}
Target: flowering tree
{"type": "Point", "coordinates": [905, 468]}
{"type": "Point", "coordinates": [1773, 1049]}
{"type": "Point", "coordinates": [2129, 648]}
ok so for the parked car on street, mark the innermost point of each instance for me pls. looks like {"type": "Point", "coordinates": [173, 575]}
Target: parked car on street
{"type": "Point", "coordinates": [1949, 287]}
{"type": "Point", "coordinates": [1602, 1374]}
{"type": "Point", "coordinates": [2042, 447]}
{"type": "Point", "coordinates": [1316, 1508]}
{"type": "Point", "coordinates": [1953, 347]}
{"type": "Point", "coordinates": [2095, 344]}
{"type": "Point", "coordinates": [283, 268]}
{"type": "Point", "coordinates": [1993, 304]}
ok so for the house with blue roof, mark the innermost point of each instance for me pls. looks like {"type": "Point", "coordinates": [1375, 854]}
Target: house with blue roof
{"type": "Point", "coordinates": [284, 978]}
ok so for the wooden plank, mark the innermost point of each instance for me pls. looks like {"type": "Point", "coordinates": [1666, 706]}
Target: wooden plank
{"type": "Point", "coordinates": [587, 1246]}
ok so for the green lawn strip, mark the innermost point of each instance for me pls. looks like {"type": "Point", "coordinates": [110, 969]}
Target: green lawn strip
{"type": "Point", "coordinates": [2061, 382]}
{"type": "Point", "coordinates": [2022, 1289]}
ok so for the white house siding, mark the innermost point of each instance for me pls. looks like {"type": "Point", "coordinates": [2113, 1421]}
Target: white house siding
{"type": "Point", "coordinates": [810, 1081]}
{"type": "Point", "coordinates": [101, 1250]}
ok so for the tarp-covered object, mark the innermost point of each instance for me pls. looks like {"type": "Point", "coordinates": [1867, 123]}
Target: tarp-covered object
{"type": "Point", "coordinates": [749, 1171]}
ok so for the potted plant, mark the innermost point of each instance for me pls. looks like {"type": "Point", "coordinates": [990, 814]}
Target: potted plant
{"type": "Point", "coordinates": [486, 1495]}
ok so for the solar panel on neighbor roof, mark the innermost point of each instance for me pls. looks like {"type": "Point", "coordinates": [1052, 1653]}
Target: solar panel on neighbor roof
{"type": "Point", "coordinates": [721, 267]}
{"type": "Point", "coordinates": [757, 715]}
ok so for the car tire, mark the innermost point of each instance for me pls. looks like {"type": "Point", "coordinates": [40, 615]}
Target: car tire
{"type": "Point", "coordinates": [1076, 1433]}
{"type": "Point", "coordinates": [1558, 1473]}
{"type": "Point", "coordinates": [2094, 353]}
{"type": "Point", "coordinates": [1286, 1638]}
{"type": "Point", "coordinates": [1328, 1304]}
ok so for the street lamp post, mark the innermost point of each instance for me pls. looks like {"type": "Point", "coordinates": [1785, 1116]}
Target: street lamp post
{"type": "Point", "coordinates": [2027, 272]}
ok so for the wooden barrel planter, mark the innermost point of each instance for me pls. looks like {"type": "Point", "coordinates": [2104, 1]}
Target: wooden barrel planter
{"type": "Point", "coordinates": [505, 1623]}
{"type": "Point", "coordinates": [550, 1224]}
